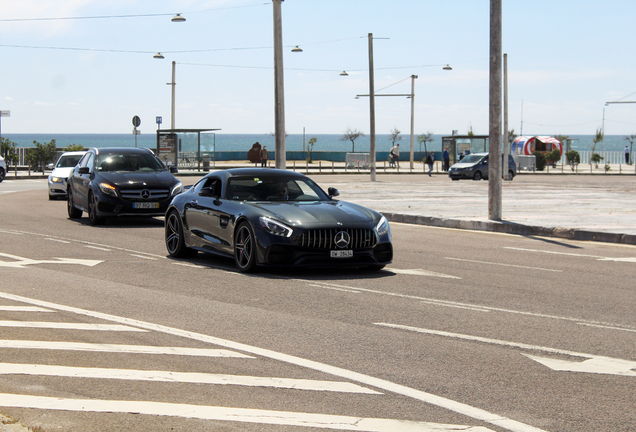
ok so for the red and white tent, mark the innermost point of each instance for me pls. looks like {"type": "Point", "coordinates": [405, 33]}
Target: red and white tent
{"type": "Point", "coordinates": [526, 145]}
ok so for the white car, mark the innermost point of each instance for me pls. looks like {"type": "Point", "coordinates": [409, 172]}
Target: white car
{"type": "Point", "coordinates": [3, 168]}
{"type": "Point", "coordinates": [61, 170]}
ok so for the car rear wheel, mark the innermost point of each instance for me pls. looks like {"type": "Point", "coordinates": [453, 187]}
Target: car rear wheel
{"type": "Point", "coordinates": [175, 242]}
{"type": "Point", "coordinates": [511, 175]}
{"type": "Point", "coordinates": [92, 211]}
{"type": "Point", "coordinates": [73, 213]}
{"type": "Point", "coordinates": [245, 248]}
{"type": "Point", "coordinates": [477, 175]}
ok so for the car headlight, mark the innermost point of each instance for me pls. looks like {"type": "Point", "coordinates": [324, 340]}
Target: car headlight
{"type": "Point", "coordinates": [108, 189]}
{"type": "Point", "coordinates": [382, 227]}
{"type": "Point", "coordinates": [177, 189]}
{"type": "Point", "coordinates": [56, 179]}
{"type": "Point", "coordinates": [274, 227]}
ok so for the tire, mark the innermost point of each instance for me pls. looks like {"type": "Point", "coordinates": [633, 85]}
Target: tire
{"type": "Point", "coordinates": [73, 213]}
{"type": "Point", "coordinates": [175, 243]}
{"type": "Point", "coordinates": [52, 198]}
{"type": "Point", "coordinates": [477, 176]}
{"type": "Point", "coordinates": [511, 175]}
{"type": "Point", "coordinates": [245, 248]}
{"type": "Point", "coordinates": [2, 174]}
{"type": "Point", "coordinates": [92, 211]}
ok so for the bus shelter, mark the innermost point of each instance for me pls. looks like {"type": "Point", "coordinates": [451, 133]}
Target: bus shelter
{"type": "Point", "coordinates": [461, 145]}
{"type": "Point", "coordinates": [187, 148]}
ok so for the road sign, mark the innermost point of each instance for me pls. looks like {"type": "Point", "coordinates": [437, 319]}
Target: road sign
{"type": "Point", "coordinates": [136, 121]}
{"type": "Point", "coordinates": [5, 113]}
{"type": "Point", "coordinates": [159, 120]}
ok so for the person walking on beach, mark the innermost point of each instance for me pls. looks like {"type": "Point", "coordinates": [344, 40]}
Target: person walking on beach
{"type": "Point", "coordinates": [627, 155]}
{"type": "Point", "coordinates": [430, 159]}
{"type": "Point", "coordinates": [395, 155]}
{"type": "Point", "coordinates": [264, 156]}
{"type": "Point", "coordinates": [446, 158]}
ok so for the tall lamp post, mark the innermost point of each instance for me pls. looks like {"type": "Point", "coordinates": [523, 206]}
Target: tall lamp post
{"type": "Point", "coordinates": [631, 157]}
{"type": "Point", "coordinates": [279, 94]}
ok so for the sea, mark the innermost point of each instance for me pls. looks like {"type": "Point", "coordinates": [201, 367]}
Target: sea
{"type": "Point", "coordinates": [293, 142]}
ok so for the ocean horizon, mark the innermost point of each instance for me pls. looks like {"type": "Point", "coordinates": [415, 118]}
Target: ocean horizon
{"type": "Point", "coordinates": [293, 142]}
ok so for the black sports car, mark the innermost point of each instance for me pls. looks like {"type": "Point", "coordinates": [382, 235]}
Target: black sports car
{"type": "Point", "coordinates": [113, 182]}
{"type": "Point", "coordinates": [270, 217]}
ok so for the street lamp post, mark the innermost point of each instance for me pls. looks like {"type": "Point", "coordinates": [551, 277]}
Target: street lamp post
{"type": "Point", "coordinates": [279, 94]}
{"type": "Point", "coordinates": [371, 108]}
{"type": "Point", "coordinates": [412, 155]}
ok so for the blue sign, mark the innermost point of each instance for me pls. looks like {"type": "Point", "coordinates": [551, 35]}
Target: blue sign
{"type": "Point", "coordinates": [159, 120]}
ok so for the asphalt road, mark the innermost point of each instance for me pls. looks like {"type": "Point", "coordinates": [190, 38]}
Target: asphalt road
{"type": "Point", "coordinates": [100, 330]}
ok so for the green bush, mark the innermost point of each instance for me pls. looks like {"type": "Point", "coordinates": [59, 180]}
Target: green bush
{"type": "Point", "coordinates": [540, 160]}
{"type": "Point", "coordinates": [573, 157]}
{"type": "Point", "coordinates": [554, 156]}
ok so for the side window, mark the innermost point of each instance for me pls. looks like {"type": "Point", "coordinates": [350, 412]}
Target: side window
{"type": "Point", "coordinates": [84, 160]}
{"type": "Point", "coordinates": [89, 162]}
{"type": "Point", "coordinates": [213, 185]}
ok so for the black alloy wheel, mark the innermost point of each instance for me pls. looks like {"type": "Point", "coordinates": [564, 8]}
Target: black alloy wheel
{"type": "Point", "coordinates": [245, 248]}
{"type": "Point", "coordinates": [73, 213]}
{"type": "Point", "coordinates": [174, 237]}
{"type": "Point", "coordinates": [92, 211]}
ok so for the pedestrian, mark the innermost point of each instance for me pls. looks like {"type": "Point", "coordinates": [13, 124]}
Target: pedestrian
{"type": "Point", "coordinates": [446, 157]}
{"type": "Point", "coordinates": [627, 155]}
{"type": "Point", "coordinates": [264, 156]}
{"type": "Point", "coordinates": [430, 159]}
{"type": "Point", "coordinates": [395, 155]}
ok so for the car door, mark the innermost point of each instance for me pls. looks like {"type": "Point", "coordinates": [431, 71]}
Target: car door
{"type": "Point", "coordinates": [201, 215]}
{"type": "Point", "coordinates": [81, 181]}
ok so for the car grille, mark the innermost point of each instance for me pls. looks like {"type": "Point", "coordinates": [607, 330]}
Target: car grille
{"type": "Point", "coordinates": [325, 238]}
{"type": "Point", "coordinates": [145, 194]}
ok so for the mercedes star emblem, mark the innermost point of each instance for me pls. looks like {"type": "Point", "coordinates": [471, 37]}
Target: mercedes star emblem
{"type": "Point", "coordinates": [342, 239]}
{"type": "Point", "coordinates": [145, 194]}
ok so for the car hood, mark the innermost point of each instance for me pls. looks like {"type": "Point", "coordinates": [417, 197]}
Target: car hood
{"type": "Point", "coordinates": [61, 172]}
{"type": "Point", "coordinates": [463, 165]}
{"type": "Point", "coordinates": [132, 179]}
{"type": "Point", "coordinates": [320, 213]}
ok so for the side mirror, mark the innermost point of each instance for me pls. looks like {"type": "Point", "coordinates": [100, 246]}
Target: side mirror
{"type": "Point", "coordinates": [174, 169]}
{"type": "Point", "coordinates": [208, 192]}
{"type": "Point", "coordinates": [83, 170]}
{"type": "Point", "coordinates": [333, 192]}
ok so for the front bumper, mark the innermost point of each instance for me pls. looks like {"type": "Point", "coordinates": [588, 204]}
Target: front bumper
{"type": "Point", "coordinates": [109, 206]}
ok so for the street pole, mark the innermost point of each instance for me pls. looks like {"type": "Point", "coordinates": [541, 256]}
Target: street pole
{"type": "Point", "coordinates": [279, 94]}
{"type": "Point", "coordinates": [494, 164]}
{"type": "Point", "coordinates": [173, 84]}
{"type": "Point", "coordinates": [371, 108]}
{"type": "Point", "coordinates": [413, 77]}
{"type": "Point", "coordinates": [505, 134]}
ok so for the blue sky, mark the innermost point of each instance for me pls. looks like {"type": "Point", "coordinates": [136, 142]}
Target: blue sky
{"type": "Point", "coordinates": [566, 58]}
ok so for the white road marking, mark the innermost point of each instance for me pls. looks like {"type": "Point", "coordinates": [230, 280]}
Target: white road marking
{"type": "Point", "coordinates": [335, 288]}
{"type": "Point", "coordinates": [597, 257]}
{"type": "Point", "coordinates": [20, 262]}
{"type": "Point", "coordinates": [182, 377]}
{"type": "Point", "coordinates": [420, 272]}
{"type": "Point", "coordinates": [243, 415]}
{"type": "Point", "coordinates": [69, 326]}
{"type": "Point", "coordinates": [57, 240]}
{"type": "Point", "coordinates": [10, 232]}
{"type": "Point", "coordinates": [473, 308]}
{"type": "Point", "coordinates": [23, 309]}
{"type": "Point", "coordinates": [98, 248]}
{"type": "Point", "coordinates": [196, 266]}
{"type": "Point", "coordinates": [126, 349]}
{"type": "Point", "coordinates": [144, 257]}
{"type": "Point", "coordinates": [458, 407]}
{"type": "Point", "coordinates": [592, 364]}
{"type": "Point", "coordinates": [607, 327]}
{"type": "Point", "coordinates": [504, 265]}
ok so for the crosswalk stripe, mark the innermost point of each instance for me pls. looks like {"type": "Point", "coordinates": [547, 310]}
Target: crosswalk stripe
{"type": "Point", "coordinates": [70, 326]}
{"type": "Point", "coordinates": [113, 348]}
{"type": "Point", "coordinates": [243, 415]}
{"type": "Point", "coordinates": [182, 377]}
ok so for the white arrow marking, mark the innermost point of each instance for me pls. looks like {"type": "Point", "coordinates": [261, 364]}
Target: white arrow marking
{"type": "Point", "coordinates": [593, 364]}
{"type": "Point", "coordinates": [598, 365]}
{"type": "Point", "coordinates": [182, 377]}
{"type": "Point", "coordinates": [137, 349]}
{"type": "Point", "coordinates": [230, 414]}
{"type": "Point", "coordinates": [21, 261]}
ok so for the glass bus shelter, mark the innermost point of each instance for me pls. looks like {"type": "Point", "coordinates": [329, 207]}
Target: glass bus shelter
{"type": "Point", "coordinates": [187, 148]}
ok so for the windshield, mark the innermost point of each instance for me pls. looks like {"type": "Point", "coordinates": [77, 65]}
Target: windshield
{"type": "Point", "coordinates": [471, 159]}
{"type": "Point", "coordinates": [128, 162]}
{"type": "Point", "coordinates": [68, 161]}
{"type": "Point", "coordinates": [274, 189]}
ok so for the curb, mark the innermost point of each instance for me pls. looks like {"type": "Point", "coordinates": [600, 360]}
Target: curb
{"type": "Point", "coordinates": [514, 228]}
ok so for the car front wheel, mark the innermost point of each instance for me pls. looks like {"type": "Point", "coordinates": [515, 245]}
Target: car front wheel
{"type": "Point", "coordinates": [245, 248]}
{"type": "Point", "coordinates": [2, 174]}
{"type": "Point", "coordinates": [73, 213]}
{"type": "Point", "coordinates": [477, 176]}
{"type": "Point", "coordinates": [175, 242]}
{"type": "Point", "coordinates": [92, 211]}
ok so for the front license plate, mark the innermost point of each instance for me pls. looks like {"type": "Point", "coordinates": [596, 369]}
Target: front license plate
{"type": "Point", "coordinates": [146, 205]}
{"type": "Point", "coordinates": [341, 253]}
